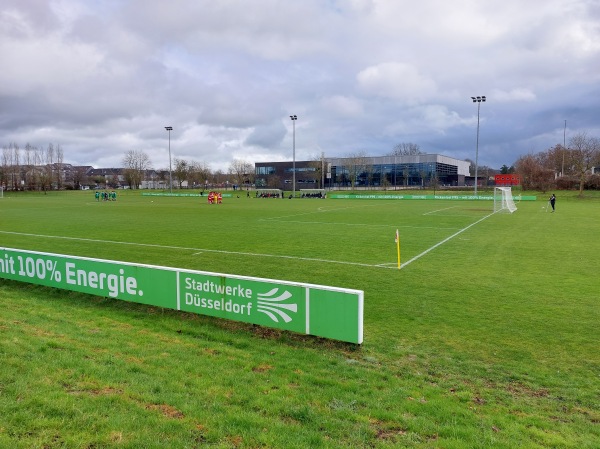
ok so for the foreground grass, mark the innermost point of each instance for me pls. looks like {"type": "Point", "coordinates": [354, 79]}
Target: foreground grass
{"type": "Point", "coordinates": [488, 341]}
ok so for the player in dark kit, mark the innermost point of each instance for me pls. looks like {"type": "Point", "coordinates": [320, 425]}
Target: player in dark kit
{"type": "Point", "coordinates": [552, 201]}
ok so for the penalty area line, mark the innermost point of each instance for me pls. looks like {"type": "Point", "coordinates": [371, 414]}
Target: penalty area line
{"type": "Point", "coordinates": [444, 241]}
{"type": "Point", "coordinates": [439, 210]}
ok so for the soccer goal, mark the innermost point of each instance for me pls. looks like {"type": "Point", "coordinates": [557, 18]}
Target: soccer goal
{"type": "Point", "coordinates": [503, 200]}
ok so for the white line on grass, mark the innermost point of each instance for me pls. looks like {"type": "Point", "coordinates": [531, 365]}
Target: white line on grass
{"type": "Point", "coordinates": [439, 210]}
{"type": "Point", "coordinates": [201, 250]}
{"type": "Point", "coordinates": [319, 210]}
{"type": "Point", "coordinates": [198, 250]}
{"type": "Point", "coordinates": [361, 224]}
{"type": "Point", "coordinates": [444, 241]}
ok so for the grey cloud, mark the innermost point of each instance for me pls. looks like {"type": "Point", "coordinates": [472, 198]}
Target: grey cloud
{"type": "Point", "coordinates": [99, 78]}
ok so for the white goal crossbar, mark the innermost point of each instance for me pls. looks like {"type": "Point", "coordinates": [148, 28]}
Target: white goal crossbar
{"type": "Point", "coordinates": [503, 200]}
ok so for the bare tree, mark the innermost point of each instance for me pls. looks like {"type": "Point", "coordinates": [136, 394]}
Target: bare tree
{"type": "Point", "coordinates": [135, 162]}
{"type": "Point", "coordinates": [79, 177]}
{"type": "Point", "coordinates": [240, 170]}
{"type": "Point", "coordinates": [182, 171]}
{"type": "Point", "coordinates": [356, 165]}
{"type": "Point", "coordinates": [200, 173]}
{"type": "Point", "coordinates": [29, 163]}
{"type": "Point", "coordinates": [6, 166]}
{"type": "Point", "coordinates": [584, 154]}
{"type": "Point", "coordinates": [370, 172]}
{"type": "Point", "coordinates": [534, 173]}
{"type": "Point", "coordinates": [59, 167]}
{"type": "Point", "coordinates": [406, 149]}
{"type": "Point", "coordinates": [273, 181]}
{"type": "Point", "coordinates": [47, 160]}
{"type": "Point", "coordinates": [16, 171]}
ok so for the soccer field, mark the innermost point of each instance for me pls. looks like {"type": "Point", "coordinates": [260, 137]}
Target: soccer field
{"type": "Point", "coordinates": [486, 337]}
{"type": "Point", "coordinates": [307, 231]}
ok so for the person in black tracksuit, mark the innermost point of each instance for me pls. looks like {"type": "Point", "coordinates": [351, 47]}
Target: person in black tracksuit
{"type": "Point", "coordinates": [552, 201]}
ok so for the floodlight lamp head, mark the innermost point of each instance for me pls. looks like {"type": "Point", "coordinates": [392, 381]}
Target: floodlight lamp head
{"type": "Point", "coordinates": [483, 98]}
{"type": "Point", "coordinates": [294, 117]}
{"type": "Point", "coordinates": [169, 128]}
{"type": "Point", "coordinates": [474, 99]}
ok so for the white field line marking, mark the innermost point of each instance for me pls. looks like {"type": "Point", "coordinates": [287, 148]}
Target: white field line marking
{"type": "Point", "coordinates": [361, 224]}
{"type": "Point", "coordinates": [198, 250]}
{"type": "Point", "coordinates": [444, 241]}
{"type": "Point", "coordinates": [439, 210]}
{"type": "Point", "coordinates": [318, 211]}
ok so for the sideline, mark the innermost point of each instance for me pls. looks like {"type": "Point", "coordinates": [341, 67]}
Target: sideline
{"type": "Point", "coordinates": [196, 250]}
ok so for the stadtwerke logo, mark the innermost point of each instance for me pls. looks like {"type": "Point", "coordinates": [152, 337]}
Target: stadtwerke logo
{"type": "Point", "coordinates": [271, 304]}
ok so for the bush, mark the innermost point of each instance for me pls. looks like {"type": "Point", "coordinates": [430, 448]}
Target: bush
{"type": "Point", "coordinates": [592, 183]}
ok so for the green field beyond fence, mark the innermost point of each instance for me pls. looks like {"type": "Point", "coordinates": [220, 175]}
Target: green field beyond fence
{"type": "Point", "coordinates": [486, 337]}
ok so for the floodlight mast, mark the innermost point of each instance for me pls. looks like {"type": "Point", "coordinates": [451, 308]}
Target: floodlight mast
{"type": "Point", "coordinates": [477, 100]}
{"type": "Point", "coordinates": [169, 129]}
{"type": "Point", "coordinates": [562, 170]}
{"type": "Point", "coordinates": [294, 118]}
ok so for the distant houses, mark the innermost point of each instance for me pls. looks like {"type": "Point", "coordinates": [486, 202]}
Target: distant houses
{"type": "Point", "coordinates": [61, 176]}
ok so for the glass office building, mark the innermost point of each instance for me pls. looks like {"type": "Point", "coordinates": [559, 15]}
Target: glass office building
{"type": "Point", "coordinates": [365, 172]}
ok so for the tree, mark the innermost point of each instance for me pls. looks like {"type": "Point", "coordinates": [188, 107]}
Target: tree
{"type": "Point", "coordinates": [273, 181]}
{"type": "Point", "coordinates": [59, 167]}
{"type": "Point", "coordinates": [16, 170]}
{"type": "Point", "coordinates": [434, 182]}
{"type": "Point", "coordinates": [533, 172]}
{"type": "Point", "coordinates": [195, 177]}
{"type": "Point", "coordinates": [317, 164]}
{"type": "Point", "coordinates": [29, 162]}
{"type": "Point", "coordinates": [584, 153]}
{"type": "Point", "coordinates": [135, 162]}
{"type": "Point", "coordinates": [405, 175]}
{"type": "Point", "coordinates": [355, 166]}
{"type": "Point", "coordinates": [46, 159]}
{"type": "Point", "coordinates": [406, 149]}
{"type": "Point", "coordinates": [218, 177]}
{"type": "Point", "coordinates": [6, 166]}
{"type": "Point", "coordinates": [240, 170]}
{"type": "Point", "coordinates": [78, 177]}
{"type": "Point", "coordinates": [182, 171]}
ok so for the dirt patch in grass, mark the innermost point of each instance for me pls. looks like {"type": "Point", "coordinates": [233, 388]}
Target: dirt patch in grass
{"type": "Point", "coordinates": [166, 410]}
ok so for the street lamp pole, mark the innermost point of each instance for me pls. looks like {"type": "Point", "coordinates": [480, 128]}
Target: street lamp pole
{"type": "Point", "coordinates": [169, 129]}
{"type": "Point", "coordinates": [294, 118]}
{"type": "Point", "coordinates": [477, 100]}
{"type": "Point", "coordinates": [562, 170]}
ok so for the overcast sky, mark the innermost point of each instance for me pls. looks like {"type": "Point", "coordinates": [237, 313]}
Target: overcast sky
{"type": "Point", "coordinates": [101, 77]}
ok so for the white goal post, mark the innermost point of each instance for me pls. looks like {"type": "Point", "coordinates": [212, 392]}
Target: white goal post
{"type": "Point", "coordinates": [503, 200]}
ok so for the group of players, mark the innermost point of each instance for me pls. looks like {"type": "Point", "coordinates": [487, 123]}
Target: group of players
{"type": "Point", "coordinates": [106, 196]}
{"type": "Point", "coordinates": [215, 197]}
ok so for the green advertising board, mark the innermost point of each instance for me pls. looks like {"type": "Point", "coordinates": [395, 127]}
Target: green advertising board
{"type": "Point", "coordinates": [393, 196]}
{"type": "Point", "coordinates": [323, 311]}
{"type": "Point", "coordinates": [198, 195]}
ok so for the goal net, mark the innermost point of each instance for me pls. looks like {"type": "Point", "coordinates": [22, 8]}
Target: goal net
{"type": "Point", "coordinates": [503, 200]}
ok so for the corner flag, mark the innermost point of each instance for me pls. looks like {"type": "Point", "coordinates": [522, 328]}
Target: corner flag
{"type": "Point", "coordinates": [397, 240]}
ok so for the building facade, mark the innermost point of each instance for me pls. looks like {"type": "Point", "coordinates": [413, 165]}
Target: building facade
{"type": "Point", "coordinates": [380, 172]}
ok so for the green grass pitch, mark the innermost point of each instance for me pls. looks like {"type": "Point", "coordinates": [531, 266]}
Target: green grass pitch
{"type": "Point", "coordinates": [487, 337]}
